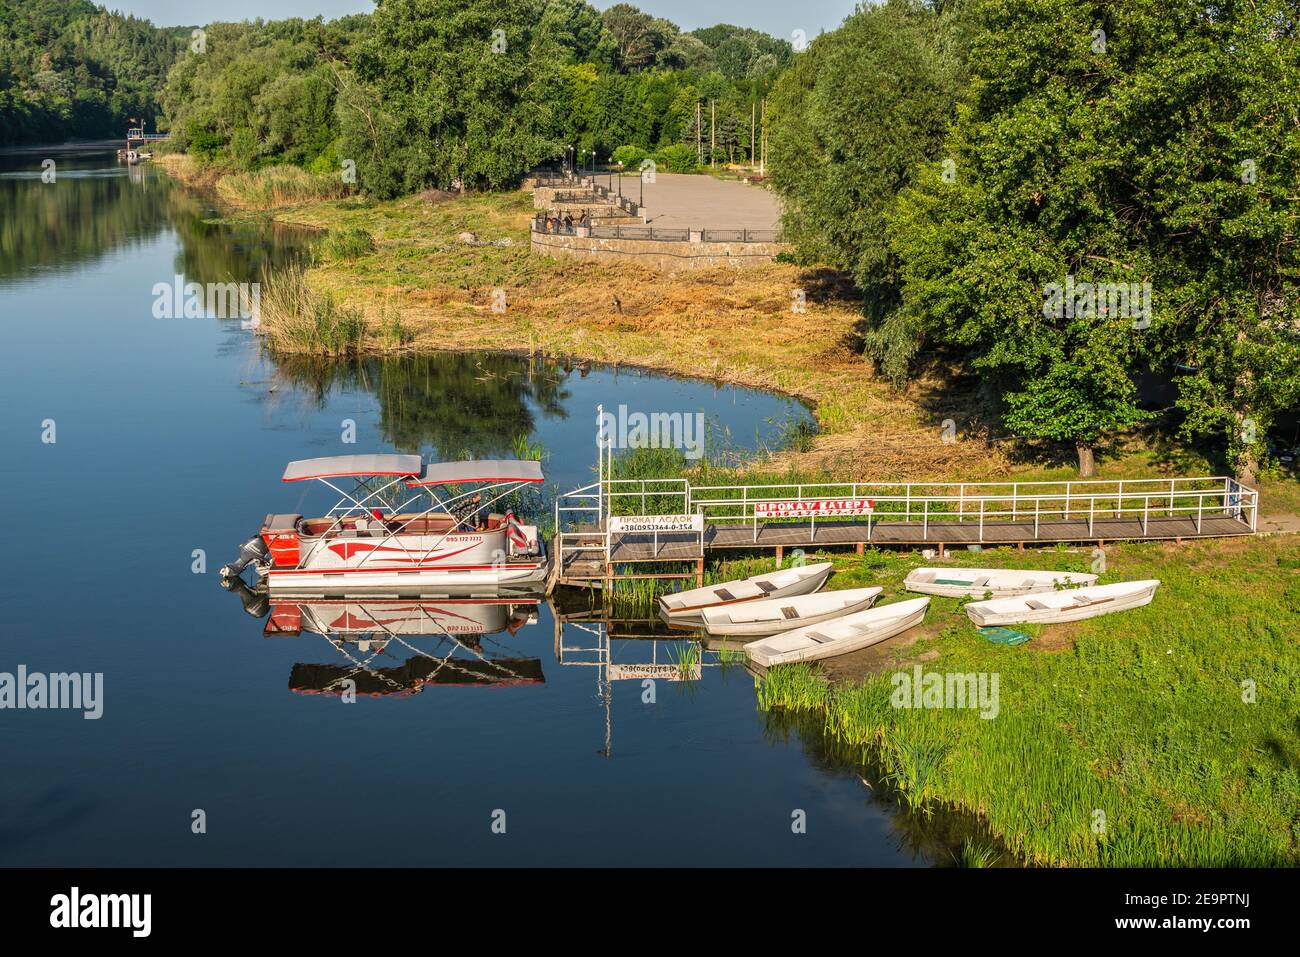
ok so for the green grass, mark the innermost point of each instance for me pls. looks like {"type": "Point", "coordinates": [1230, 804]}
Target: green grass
{"type": "Point", "coordinates": [1139, 717]}
{"type": "Point", "coordinates": [350, 242]}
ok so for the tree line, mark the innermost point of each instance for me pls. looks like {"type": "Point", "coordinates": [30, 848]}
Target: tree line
{"type": "Point", "coordinates": [472, 92]}
{"type": "Point", "coordinates": [71, 69]}
{"type": "Point", "coordinates": [1063, 197]}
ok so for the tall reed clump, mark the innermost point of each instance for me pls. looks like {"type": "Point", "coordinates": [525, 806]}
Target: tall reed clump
{"type": "Point", "coordinates": [350, 242]}
{"type": "Point", "coordinates": [278, 186]}
{"type": "Point", "coordinates": [297, 318]}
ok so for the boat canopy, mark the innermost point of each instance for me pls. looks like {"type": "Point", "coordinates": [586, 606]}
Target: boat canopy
{"type": "Point", "coordinates": [333, 466]}
{"type": "Point", "coordinates": [489, 470]}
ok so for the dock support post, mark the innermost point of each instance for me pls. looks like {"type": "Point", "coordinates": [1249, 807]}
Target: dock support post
{"type": "Point", "coordinates": [941, 550]}
{"type": "Point", "coordinates": [860, 548]}
{"type": "Point", "coordinates": [780, 555]}
{"type": "Point", "coordinates": [1020, 546]}
{"type": "Point", "coordinates": [699, 572]}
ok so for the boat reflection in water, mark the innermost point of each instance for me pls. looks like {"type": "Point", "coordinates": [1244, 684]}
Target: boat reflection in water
{"type": "Point", "coordinates": [398, 647]}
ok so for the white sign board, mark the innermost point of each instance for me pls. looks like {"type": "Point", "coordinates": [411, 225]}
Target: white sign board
{"type": "Point", "coordinates": [813, 508]}
{"type": "Point", "coordinates": [662, 672]}
{"type": "Point", "coordinates": [656, 523]}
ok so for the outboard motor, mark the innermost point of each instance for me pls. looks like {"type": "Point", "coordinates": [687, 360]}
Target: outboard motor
{"type": "Point", "coordinates": [253, 550]}
{"type": "Point", "coordinates": [256, 603]}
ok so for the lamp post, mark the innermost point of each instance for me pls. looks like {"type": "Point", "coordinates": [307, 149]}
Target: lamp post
{"type": "Point", "coordinates": [620, 183]}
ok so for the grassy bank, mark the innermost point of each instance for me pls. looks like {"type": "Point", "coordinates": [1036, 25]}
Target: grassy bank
{"type": "Point", "coordinates": [1119, 741]}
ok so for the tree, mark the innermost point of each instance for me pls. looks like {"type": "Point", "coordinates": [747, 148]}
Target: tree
{"type": "Point", "coordinates": [850, 120]}
{"type": "Point", "coordinates": [464, 91]}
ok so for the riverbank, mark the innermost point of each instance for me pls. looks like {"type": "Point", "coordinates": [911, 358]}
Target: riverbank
{"type": "Point", "coordinates": [747, 327]}
{"type": "Point", "coordinates": [1163, 736]}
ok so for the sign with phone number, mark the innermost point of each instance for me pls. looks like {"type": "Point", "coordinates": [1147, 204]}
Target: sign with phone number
{"type": "Point", "coordinates": [813, 508]}
{"type": "Point", "coordinates": [656, 523]}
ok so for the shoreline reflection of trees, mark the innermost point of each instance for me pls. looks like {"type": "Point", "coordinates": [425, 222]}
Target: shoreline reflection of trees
{"type": "Point", "coordinates": [81, 219]}
{"type": "Point", "coordinates": [462, 404]}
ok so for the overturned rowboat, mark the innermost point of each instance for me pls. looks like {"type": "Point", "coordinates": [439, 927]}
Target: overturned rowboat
{"type": "Point", "coordinates": [381, 539]}
{"type": "Point", "coordinates": [1073, 604]}
{"type": "Point", "coordinates": [990, 582]}
{"type": "Point", "coordinates": [776, 615]}
{"type": "Point", "coordinates": [838, 637]}
{"type": "Point", "coordinates": [686, 607]}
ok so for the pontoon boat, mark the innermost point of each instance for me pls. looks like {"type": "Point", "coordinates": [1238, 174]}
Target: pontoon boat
{"type": "Point", "coordinates": [370, 543]}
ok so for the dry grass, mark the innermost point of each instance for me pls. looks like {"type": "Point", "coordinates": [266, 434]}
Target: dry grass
{"type": "Point", "coordinates": [734, 326]}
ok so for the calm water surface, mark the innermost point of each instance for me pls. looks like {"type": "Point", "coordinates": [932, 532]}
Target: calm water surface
{"type": "Point", "coordinates": [171, 436]}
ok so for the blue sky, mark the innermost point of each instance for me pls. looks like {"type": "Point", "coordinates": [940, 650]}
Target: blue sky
{"type": "Point", "coordinates": [778, 17]}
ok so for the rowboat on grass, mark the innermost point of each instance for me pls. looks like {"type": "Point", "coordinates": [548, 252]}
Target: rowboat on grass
{"type": "Point", "coordinates": [990, 582]}
{"type": "Point", "coordinates": [1074, 604]}
{"type": "Point", "coordinates": [775, 615]}
{"type": "Point", "coordinates": [685, 607]}
{"type": "Point", "coordinates": [840, 636]}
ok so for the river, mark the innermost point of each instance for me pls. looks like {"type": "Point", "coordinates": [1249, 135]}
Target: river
{"type": "Point", "coordinates": [141, 451]}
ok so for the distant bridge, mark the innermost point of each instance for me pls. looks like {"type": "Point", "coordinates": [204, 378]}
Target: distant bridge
{"type": "Point", "coordinates": [137, 134]}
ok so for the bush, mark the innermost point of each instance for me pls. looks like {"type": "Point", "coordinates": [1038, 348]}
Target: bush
{"type": "Point", "coordinates": [629, 156]}
{"type": "Point", "coordinates": [678, 158]}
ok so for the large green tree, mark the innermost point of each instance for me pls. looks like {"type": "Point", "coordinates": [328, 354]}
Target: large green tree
{"type": "Point", "coordinates": [454, 91]}
{"type": "Point", "coordinates": [1103, 146]}
{"type": "Point", "coordinates": [850, 121]}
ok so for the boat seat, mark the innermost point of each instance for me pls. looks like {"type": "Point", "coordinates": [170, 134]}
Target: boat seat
{"type": "Point", "coordinates": [1036, 605]}
{"type": "Point", "coordinates": [790, 612]}
{"type": "Point", "coordinates": [767, 587]}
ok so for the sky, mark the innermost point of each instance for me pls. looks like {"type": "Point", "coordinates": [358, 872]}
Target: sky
{"type": "Point", "coordinates": [777, 17]}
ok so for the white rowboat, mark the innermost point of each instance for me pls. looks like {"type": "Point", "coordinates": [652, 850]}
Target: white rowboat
{"type": "Point", "coordinates": [685, 607]}
{"type": "Point", "coordinates": [1073, 604]}
{"type": "Point", "coordinates": [989, 582]}
{"type": "Point", "coordinates": [840, 636]}
{"type": "Point", "coordinates": [773, 616]}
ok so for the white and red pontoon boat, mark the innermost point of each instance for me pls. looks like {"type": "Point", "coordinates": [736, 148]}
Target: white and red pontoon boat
{"type": "Point", "coordinates": [366, 546]}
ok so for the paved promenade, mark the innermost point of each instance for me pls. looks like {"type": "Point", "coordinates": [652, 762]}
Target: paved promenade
{"type": "Point", "coordinates": [679, 200]}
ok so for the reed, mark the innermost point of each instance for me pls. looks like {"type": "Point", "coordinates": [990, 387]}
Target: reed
{"type": "Point", "coordinates": [974, 854]}
{"type": "Point", "coordinates": [346, 242]}
{"type": "Point", "coordinates": [687, 656]}
{"type": "Point", "coordinates": [296, 318]}
{"type": "Point", "coordinates": [276, 186]}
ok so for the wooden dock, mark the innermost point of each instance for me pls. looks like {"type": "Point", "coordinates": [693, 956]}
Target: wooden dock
{"type": "Point", "coordinates": [938, 517]}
